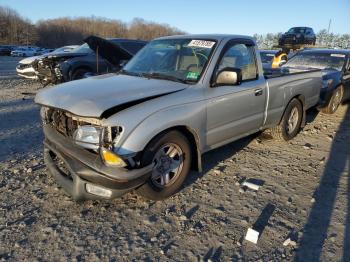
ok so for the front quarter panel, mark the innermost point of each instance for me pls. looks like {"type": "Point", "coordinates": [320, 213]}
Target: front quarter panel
{"type": "Point", "coordinates": [143, 122]}
{"type": "Point", "coordinates": [190, 116]}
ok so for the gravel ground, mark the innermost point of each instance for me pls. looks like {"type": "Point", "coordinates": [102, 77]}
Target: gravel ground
{"type": "Point", "coordinates": [8, 66]}
{"type": "Point", "coordinates": [304, 197]}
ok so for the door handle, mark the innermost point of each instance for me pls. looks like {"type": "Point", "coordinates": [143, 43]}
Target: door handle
{"type": "Point", "coordinates": [258, 92]}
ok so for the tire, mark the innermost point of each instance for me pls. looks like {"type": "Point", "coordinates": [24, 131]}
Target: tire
{"type": "Point", "coordinates": [285, 131]}
{"type": "Point", "coordinates": [79, 73]}
{"type": "Point", "coordinates": [334, 102]}
{"type": "Point", "coordinates": [153, 189]}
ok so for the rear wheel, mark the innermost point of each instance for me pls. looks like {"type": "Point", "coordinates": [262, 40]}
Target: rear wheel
{"type": "Point", "coordinates": [290, 124]}
{"type": "Point", "coordinates": [335, 101]}
{"type": "Point", "coordinates": [171, 157]}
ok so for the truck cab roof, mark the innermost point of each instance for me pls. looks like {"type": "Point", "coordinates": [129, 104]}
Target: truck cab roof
{"type": "Point", "coordinates": [216, 37]}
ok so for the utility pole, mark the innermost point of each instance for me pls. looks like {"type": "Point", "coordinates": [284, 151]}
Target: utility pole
{"type": "Point", "coordinates": [329, 25]}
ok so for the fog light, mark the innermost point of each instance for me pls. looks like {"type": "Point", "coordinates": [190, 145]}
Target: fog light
{"type": "Point", "coordinates": [98, 191]}
{"type": "Point", "coordinates": [111, 159]}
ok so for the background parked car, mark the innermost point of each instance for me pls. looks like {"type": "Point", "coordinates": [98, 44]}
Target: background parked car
{"type": "Point", "coordinates": [298, 36]}
{"type": "Point", "coordinates": [335, 65]}
{"type": "Point", "coordinates": [42, 51]}
{"type": "Point", "coordinates": [25, 66]}
{"type": "Point", "coordinates": [267, 57]}
{"type": "Point", "coordinates": [83, 61]}
{"type": "Point", "coordinates": [24, 51]}
{"type": "Point", "coordinates": [272, 60]}
{"type": "Point", "coordinates": [6, 49]}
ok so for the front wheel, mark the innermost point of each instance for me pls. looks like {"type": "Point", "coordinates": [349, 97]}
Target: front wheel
{"type": "Point", "coordinates": [171, 157]}
{"type": "Point", "coordinates": [290, 124]}
{"type": "Point", "coordinates": [335, 101]}
{"type": "Point", "coordinates": [79, 73]}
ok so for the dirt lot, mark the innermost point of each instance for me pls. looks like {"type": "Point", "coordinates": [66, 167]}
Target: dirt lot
{"type": "Point", "coordinates": [8, 66]}
{"type": "Point", "coordinates": [304, 196]}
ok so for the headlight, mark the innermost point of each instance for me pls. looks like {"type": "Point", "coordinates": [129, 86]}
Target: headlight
{"type": "Point", "coordinates": [327, 83]}
{"type": "Point", "coordinates": [43, 112]}
{"type": "Point", "coordinates": [88, 137]}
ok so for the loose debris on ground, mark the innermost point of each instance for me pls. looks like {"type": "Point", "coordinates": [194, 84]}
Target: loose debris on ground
{"type": "Point", "coordinates": [207, 220]}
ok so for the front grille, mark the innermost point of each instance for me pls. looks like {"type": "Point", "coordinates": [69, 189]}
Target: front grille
{"type": "Point", "coordinates": [24, 66]}
{"type": "Point", "coordinates": [60, 121]}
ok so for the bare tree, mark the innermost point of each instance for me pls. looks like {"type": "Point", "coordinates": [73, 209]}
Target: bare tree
{"type": "Point", "coordinates": [141, 29]}
{"type": "Point", "coordinates": [14, 29]}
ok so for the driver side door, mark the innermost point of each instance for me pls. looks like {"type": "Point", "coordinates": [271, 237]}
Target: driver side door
{"type": "Point", "coordinates": [235, 110]}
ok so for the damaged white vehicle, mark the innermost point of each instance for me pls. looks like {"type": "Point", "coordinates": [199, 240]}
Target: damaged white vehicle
{"type": "Point", "coordinates": [146, 126]}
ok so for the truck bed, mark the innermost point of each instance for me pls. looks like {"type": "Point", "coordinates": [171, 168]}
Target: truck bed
{"type": "Point", "coordinates": [283, 85]}
{"type": "Point", "coordinates": [285, 71]}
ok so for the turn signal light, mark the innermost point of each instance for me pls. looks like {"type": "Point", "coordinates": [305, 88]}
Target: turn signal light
{"type": "Point", "coordinates": [111, 159]}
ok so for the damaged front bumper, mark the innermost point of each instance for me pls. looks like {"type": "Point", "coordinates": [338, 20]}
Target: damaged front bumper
{"type": "Point", "coordinates": [76, 170]}
{"type": "Point", "coordinates": [26, 71]}
{"type": "Point", "coordinates": [325, 97]}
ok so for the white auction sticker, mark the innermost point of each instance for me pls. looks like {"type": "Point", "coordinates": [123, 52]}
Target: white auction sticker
{"type": "Point", "coordinates": [201, 43]}
{"type": "Point", "coordinates": [338, 55]}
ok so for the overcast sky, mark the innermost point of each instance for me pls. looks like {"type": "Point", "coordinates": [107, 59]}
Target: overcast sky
{"type": "Point", "coordinates": [201, 16]}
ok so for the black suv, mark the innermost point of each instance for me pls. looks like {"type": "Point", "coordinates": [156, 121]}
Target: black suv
{"type": "Point", "coordinates": [298, 36]}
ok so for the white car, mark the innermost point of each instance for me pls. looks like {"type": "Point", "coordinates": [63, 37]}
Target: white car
{"type": "Point", "coordinates": [25, 68]}
{"type": "Point", "coordinates": [24, 51]}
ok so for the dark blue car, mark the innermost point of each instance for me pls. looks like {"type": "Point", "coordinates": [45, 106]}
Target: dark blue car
{"type": "Point", "coordinates": [335, 66]}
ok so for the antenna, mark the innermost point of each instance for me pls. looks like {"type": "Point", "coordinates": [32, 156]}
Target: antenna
{"type": "Point", "coordinates": [329, 25]}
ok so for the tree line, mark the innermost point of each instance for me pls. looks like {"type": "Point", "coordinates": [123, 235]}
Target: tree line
{"type": "Point", "coordinates": [323, 39]}
{"type": "Point", "coordinates": [14, 29]}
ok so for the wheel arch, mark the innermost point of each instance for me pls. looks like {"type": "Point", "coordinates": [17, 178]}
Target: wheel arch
{"type": "Point", "coordinates": [301, 99]}
{"type": "Point", "coordinates": [78, 67]}
{"type": "Point", "coordinates": [194, 140]}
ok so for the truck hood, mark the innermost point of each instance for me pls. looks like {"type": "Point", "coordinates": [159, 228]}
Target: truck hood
{"type": "Point", "coordinates": [113, 53]}
{"type": "Point", "coordinates": [65, 55]}
{"type": "Point", "coordinates": [94, 96]}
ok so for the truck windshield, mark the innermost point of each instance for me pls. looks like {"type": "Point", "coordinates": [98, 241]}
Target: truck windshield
{"type": "Point", "coordinates": [181, 60]}
{"type": "Point", "coordinates": [317, 60]}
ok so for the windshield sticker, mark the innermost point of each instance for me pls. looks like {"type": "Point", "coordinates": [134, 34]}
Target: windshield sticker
{"type": "Point", "coordinates": [338, 55]}
{"type": "Point", "coordinates": [201, 43]}
{"type": "Point", "coordinates": [192, 75]}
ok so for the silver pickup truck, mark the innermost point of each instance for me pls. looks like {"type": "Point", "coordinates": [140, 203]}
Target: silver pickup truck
{"type": "Point", "coordinates": [145, 127]}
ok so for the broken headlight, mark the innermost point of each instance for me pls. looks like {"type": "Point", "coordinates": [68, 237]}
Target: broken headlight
{"type": "Point", "coordinates": [88, 137]}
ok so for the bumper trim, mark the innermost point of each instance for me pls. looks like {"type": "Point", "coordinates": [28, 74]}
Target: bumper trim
{"type": "Point", "coordinates": [76, 187]}
{"type": "Point", "coordinates": [86, 167]}
{"type": "Point", "coordinates": [58, 142]}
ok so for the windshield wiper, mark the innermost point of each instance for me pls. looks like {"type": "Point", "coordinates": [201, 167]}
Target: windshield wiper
{"type": "Point", "coordinates": [165, 77]}
{"type": "Point", "coordinates": [129, 73]}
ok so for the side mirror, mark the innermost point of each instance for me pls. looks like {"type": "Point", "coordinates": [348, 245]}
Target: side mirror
{"type": "Point", "coordinates": [228, 76]}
